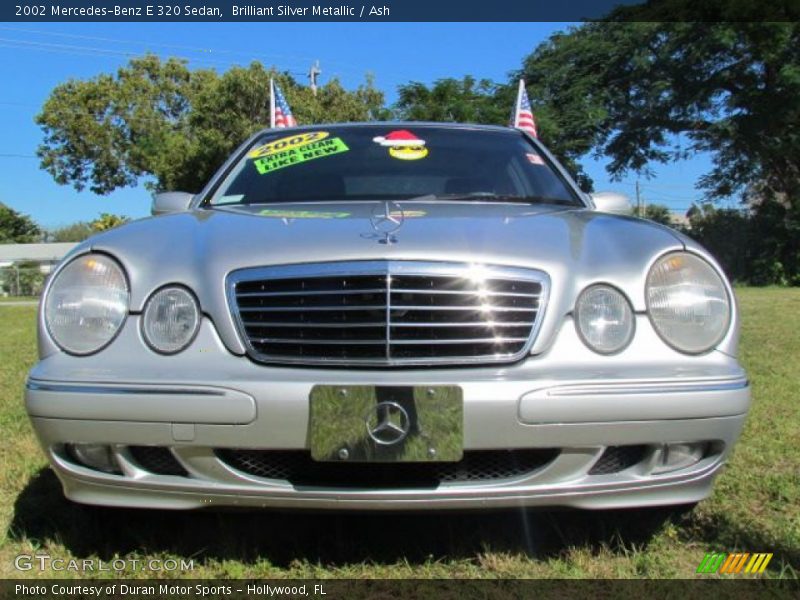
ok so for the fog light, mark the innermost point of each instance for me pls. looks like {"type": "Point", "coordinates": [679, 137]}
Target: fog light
{"type": "Point", "coordinates": [94, 456]}
{"type": "Point", "coordinates": [679, 456]}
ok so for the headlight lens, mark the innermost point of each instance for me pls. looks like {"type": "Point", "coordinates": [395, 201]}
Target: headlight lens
{"type": "Point", "coordinates": [86, 304]}
{"type": "Point", "coordinates": [604, 318]}
{"type": "Point", "coordinates": [171, 318]}
{"type": "Point", "coordinates": [687, 302]}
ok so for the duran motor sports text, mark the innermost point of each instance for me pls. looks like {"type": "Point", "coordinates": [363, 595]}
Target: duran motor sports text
{"type": "Point", "coordinates": [198, 590]}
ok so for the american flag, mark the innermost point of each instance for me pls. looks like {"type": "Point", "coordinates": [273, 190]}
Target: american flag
{"type": "Point", "coordinates": [280, 113]}
{"type": "Point", "coordinates": [523, 114]}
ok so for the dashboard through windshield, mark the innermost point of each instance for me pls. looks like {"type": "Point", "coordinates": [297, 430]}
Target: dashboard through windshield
{"type": "Point", "coordinates": [378, 162]}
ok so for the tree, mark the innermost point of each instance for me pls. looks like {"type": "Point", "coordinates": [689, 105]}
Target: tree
{"type": "Point", "coordinates": [452, 100]}
{"type": "Point", "coordinates": [758, 247]}
{"type": "Point", "coordinates": [172, 126]}
{"type": "Point", "coordinates": [16, 228]}
{"type": "Point", "coordinates": [107, 221]}
{"type": "Point", "coordinates": [644, 92]}
{"type": "Point", "coordinates": [77, 232]}
{"type": "Point", "coordinates": [28, 280]}
{"type": "Point", "coordinates": [471, 101]}
{"type": "Point", "coordinates": [657, 213]}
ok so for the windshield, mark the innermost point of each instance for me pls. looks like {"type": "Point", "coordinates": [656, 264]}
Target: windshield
{"type": "Point", "coordinates": [392, 163]}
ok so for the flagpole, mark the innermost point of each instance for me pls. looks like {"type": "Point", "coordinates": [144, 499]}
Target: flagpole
{"type": "Point", "coordinates": [271, 103]}
{"type": "Point", "coordinates": [519, 100]}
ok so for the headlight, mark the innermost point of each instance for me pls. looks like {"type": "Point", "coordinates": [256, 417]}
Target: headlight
{"type": "Point", "coordinates": [604, 318]}
{"type": "Point", "coordinates": [687, 302]}
{"type": "Point", "coordinates": [171, 319]}
{"type": "Point", "coordinates": [86, 304]}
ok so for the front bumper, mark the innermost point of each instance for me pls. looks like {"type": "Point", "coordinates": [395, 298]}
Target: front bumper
{"type": "Point", "coordinates": [207, 399]}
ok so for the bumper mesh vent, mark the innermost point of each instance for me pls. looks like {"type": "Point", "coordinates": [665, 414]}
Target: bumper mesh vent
{"type": "Point", "coordinates": [387, 312]}
{"type": "Point", "coordinates": [297, 467]}
{"type": "Point", "coordinates": [157, 459]}
{"type": "Point", "coordinates": [618, 458]}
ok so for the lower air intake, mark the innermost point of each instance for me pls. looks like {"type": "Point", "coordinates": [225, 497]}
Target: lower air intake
{"type": "Point", "coordinates": [298, 468]}
{"type": "Point", "coordinates": [618, 458]}
{"type": "Point", "coordinates": [157, 459]}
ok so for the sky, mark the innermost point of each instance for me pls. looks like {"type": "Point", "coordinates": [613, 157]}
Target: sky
{"type": "Point", "coordinates": [35, 57]}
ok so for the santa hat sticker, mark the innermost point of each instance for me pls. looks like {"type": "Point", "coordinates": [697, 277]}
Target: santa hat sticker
{"type": "Point", "coordinates": [399, 138]}
{"type": "Point", "coordinates": [403, 144]}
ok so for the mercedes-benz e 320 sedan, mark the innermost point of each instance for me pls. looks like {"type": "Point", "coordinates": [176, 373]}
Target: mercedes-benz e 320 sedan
{"type": "Point", "coordinates": [388, 316]}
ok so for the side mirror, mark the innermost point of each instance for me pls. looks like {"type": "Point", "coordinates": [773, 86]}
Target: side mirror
{"type": "Point", "coordinates": [612, 202]}
{"type": "Point", "coordinates": [170, 202]}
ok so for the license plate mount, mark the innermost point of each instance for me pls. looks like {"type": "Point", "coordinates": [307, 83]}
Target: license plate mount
{"type": "Point", "coordinates": [366, 423]}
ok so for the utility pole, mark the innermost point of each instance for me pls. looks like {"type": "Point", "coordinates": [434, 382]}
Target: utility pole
{"type": "Point", "coordinates": [313, 74]}
{"type": "Point", "coordinates": [644, 206]}
{"type": "Point", "coordinates": [638, 200]}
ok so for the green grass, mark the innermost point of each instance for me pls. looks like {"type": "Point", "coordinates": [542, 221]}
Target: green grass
{"type": "Point", "coordinates": [755, 505]}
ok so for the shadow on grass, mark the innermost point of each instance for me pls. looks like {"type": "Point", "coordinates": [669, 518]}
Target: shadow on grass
{"type": "Point", "coordinates": [333, 539]}
{"type": "Point", "coordinates": [721, 532]}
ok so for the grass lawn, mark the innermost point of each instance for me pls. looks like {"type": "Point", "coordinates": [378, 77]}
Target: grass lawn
{"type": "Point", "coordinates": [755, 506]}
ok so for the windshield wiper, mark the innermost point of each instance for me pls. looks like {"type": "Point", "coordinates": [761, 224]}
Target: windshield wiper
{"type": "Point", "coordinates": [490, 197]}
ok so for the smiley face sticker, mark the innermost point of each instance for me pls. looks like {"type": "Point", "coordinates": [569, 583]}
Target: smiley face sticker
{"type": "Point", "coordinates": [403, 144]}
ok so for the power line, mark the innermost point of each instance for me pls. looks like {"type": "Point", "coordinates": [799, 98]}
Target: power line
{"type": "Point", "coordinates": [659, 185]}
{"type": "Point", "coordinates": [251, 55]}
{"type": "Point", "coordinates": [17, 47]}
{"type": "Point", "coordinates": [676, 195]}
{"type": "Point", "coordinates": [99, 39]}
{"type": "Point", "coordinates": [69, 49]}
{"type": "Point", "coordinates": [92, 50]}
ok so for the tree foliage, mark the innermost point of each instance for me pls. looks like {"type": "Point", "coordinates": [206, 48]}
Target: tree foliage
{"type": "Point", "coordinates": [658, 213]}
{"type": "Point", "coordinates": [471, 101]}
{"type": "Point", "coordinates": [455, 101]}
{"type": "Point", "coordinates": [75, 232]}
{"type": "Point", "coordinates": [760, 247]}
{"type": "Point", "coordinates": [173, 126]}
{"type": "Point", "coordinates": [641, 93]}
{"type": "Point", "coordinates": [107, 221]}
{"type": "Point", "coordinates": [16, 228]}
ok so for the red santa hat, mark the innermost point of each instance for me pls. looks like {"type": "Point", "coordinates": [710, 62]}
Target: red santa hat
{"type": "Point", "coordinates": [399, 138]}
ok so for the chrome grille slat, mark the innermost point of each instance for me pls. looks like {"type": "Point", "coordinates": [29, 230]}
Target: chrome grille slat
{"type": "Point", "coordinates": [310, 308]}
{"type": "Point", "coordinates": [413, 313]}
{"type": "Point", "coordinates": [485, 324]}
{"type": "Point", "coordinates": [463, 293]}
{"type": "Point", "coordinates": [477, 308]}
{"type": "Point", "coordinates": [321, 324]}
{"type": "Point", "coordinates": [347, 292]}
{"type": "Point", "coordinates": [317, 342]}
{"type": "Point", "coordinates": [460, 341]}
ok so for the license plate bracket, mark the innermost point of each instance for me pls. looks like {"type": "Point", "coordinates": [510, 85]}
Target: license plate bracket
{"type": "Point", "coordinates": [366, 423]}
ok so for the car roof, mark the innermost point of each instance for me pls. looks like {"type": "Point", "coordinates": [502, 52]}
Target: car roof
{"type": "Point", "coordinates": [396, 124]}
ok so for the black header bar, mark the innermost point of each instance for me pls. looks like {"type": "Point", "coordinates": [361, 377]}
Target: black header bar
{"type": "Point", "coordinates": [37, 11]}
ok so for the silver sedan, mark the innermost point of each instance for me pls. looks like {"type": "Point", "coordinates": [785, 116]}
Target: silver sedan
{"type": "Point", "coordinates": [388, 316]}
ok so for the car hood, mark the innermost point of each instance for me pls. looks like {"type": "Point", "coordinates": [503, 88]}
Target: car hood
{"type": "Point", "coordinates": [574, 246]}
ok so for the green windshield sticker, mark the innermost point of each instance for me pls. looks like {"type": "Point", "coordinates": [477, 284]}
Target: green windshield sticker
{"type": "Point", "coordinates": [302, 214]}
{"type": "Point", "coordinates": [296, 156]}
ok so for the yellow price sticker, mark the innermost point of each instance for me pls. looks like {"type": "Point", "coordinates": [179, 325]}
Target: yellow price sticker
{"type": "Point", "coordinates": [287, 143]}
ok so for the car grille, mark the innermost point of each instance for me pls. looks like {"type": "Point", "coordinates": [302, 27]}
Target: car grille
{"type": "Point", "coordinates": [387, 312]}
{"type": "Point", "coordinates": [297, 467]}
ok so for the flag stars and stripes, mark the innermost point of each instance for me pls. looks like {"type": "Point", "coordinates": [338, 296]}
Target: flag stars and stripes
{"type": "Point", "coordinates": [281, 113]}
{"type": "Point", "coordinates": [523, 113]}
